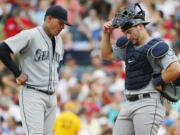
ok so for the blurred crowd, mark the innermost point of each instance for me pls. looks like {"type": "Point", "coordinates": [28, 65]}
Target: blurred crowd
{"type": "Point", "coordinates": [90, 91]}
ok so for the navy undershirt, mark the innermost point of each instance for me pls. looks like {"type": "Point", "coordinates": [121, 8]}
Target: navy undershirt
{"type": "Point", "coordinates": [5, 57]}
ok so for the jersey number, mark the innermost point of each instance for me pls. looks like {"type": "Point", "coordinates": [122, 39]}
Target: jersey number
{"type": "Point", "coordinates": [66, 124]}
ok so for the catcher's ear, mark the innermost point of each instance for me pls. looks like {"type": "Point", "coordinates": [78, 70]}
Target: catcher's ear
{"type": "Point", "coordinates": [140, 26]}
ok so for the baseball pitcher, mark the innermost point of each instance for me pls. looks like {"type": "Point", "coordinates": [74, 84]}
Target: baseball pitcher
{"type": "Point", "coordinates": [39, 52]}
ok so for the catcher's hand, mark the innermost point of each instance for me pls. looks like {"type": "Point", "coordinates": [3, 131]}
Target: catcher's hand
{"type": "Point", "coordinates": [107, 27]}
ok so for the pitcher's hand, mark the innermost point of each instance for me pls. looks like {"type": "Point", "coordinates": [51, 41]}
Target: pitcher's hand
{"type": "Point", "coordinates": [21, 80]}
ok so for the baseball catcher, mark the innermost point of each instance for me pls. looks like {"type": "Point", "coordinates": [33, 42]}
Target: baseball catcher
{"type": "Point", "coordinates": [152, 69]}
{"type": "Point", "coordinates": [134, 15]}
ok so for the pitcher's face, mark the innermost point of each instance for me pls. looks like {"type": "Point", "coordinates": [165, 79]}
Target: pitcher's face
{"type": "Point", "coordinates": [56, 26]}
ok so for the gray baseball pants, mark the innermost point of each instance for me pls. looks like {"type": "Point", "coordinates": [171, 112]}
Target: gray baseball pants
{"type": "Point", "coordinates": [38, 111]}
{"type": "Point", "coordinates": [141, 117]}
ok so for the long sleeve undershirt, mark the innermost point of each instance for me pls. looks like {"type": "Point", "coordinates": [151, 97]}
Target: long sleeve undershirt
{"type": "Point", "coordinates": [5, 57]}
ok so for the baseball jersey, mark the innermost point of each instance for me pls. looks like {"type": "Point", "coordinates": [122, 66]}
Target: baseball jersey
{"type": "Point", "coordinates": [67, 123]}
{"type": "Point", "coordinates": [36, 58]}
{"type": "Point", "coordinates": [165, 61]}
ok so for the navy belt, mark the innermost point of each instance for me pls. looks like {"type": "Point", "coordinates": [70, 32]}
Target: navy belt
{"type": "Point", "coordinates": [46, 92]}
{"type": "Point", "coordinates": [138, 96]}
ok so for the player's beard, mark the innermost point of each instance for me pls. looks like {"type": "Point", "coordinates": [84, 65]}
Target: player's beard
{"type": "Point", "coordinates": [136, 39]}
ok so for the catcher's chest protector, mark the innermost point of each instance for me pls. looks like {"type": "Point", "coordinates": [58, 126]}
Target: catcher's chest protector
{"type": "Point", "coordinates": [138, 69]}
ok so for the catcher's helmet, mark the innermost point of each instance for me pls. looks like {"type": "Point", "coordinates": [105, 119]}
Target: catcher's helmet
{"type": "Point", "coordinates": [130, 16]}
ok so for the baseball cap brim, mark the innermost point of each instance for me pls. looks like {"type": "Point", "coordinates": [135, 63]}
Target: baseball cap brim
{"type": "Point", "coordinates": [59, 13]}
{"type": "Point", "coordinates": [134, 24]}
{"type": "Point", "coordinates": [67, 23]}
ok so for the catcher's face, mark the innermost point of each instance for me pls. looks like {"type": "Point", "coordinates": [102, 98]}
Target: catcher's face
{"type": "Point", "coordinates": [133, 34]}
{"type": "Point", "coordinates": [55, 26]}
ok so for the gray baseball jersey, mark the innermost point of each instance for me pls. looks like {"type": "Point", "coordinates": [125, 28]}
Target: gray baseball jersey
{"type": "Point", "coordinates": [164, 63]}
{"type": "Point", "coordinates": [36, 57]}
{"type": "Point", "coordinates": [142, 117]}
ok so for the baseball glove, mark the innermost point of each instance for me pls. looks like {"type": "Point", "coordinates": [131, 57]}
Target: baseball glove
{"type": "Point", "coordinates": [171, 91]}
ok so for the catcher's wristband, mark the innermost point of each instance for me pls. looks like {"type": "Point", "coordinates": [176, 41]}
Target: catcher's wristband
{"type": "Point", "coordinates": [158, 81]}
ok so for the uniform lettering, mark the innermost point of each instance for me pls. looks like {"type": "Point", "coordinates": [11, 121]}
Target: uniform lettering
{"type": "Point", "coordinates": [57, 57]}
{"type": "Point", "coordinates": [41, 55]}
{"type": "Point", "coordinates": [44, 55]}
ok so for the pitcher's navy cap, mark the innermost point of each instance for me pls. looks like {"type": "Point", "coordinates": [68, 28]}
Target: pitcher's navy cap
{"type": "Point", "coordinates": [58, 12]}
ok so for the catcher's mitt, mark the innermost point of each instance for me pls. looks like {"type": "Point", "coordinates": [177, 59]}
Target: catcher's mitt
{"type": "Point", "coordinates": [171, 91]}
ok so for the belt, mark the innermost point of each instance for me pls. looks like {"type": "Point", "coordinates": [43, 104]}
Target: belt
{"type": "Point", "coordinates": [46, 92]}
{"type": "Point", "coordinates": [138, 96]}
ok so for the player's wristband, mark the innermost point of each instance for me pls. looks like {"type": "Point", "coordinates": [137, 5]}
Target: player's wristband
{"type": "Point", "coordinates": [158, 81]}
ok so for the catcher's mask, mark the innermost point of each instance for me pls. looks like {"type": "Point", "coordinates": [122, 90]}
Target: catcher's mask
{"type": "Point", "coordinates": [130, 16]}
